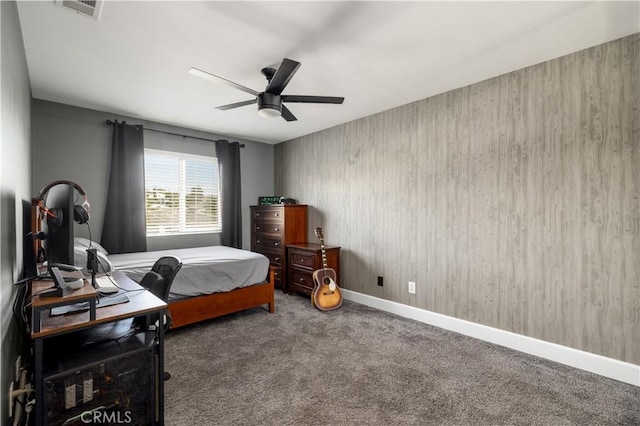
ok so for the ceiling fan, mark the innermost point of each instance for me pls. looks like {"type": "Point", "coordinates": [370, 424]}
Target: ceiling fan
{"type": "Point", "coordinates": [270, 102]}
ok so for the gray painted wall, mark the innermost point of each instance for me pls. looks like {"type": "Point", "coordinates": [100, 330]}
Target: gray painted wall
{"type": "Point", "coordinates": [15, 184]}
{"type": "Point", "coordinates": [513, 202]}
{"type": "Point", "coordinates": [75, 144]}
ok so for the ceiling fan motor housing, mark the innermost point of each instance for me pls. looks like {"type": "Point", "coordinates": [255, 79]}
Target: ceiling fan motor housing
{"type": "Point", "coordinates": [269, 101]}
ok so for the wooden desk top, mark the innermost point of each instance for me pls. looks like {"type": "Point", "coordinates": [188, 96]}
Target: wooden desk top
{"type": "Point", "coordinates": [84, 293]}
{"type": "Point", "coordinates": [140, 302]}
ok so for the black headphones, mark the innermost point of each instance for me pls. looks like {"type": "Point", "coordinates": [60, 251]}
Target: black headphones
{"type": "Point", "coordinates": [54, 215]}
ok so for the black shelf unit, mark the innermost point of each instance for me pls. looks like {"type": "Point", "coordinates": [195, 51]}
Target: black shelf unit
{"type": "Point", "coordinates": [101, 376]}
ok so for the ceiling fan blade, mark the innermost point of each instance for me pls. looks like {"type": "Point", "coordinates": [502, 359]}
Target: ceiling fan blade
{"type": "Point", "coordinates": [287, 115]}
{"type": "Point", "coordinates": [312, 99]}
{"type": "Point", "coordinates": [283, 75]}
{"type": "Point", "coordinates": [236, 105]}
{"type": "Point", "coordinates": [209, 76]}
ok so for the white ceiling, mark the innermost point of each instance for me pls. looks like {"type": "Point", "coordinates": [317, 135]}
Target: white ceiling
{"type": "Point", "coordinates": [378, 55]}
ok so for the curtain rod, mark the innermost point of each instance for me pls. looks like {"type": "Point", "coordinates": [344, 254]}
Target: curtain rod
{"type": "Point", "coordinates": [110, 122]}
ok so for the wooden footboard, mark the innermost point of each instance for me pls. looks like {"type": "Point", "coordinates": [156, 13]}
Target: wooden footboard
{"type": "Point", "coordinates": [200, 308]}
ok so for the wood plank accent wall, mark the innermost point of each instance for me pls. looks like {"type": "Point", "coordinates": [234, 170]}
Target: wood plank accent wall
{"type": "Point", "coordinates": [513, 202]}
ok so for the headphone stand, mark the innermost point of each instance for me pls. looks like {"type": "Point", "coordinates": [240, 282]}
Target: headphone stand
{"type": "Point", "coordinates": [56, 290]}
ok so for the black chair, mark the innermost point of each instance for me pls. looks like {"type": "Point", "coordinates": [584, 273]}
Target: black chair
{"type": "Point", "coordinates": [153, 282]}
{"type": "Point", "coordinates": [159, 279]}
{"type": "Point", "coordinates": [167, 267]}
{"type": "Point", "coordinates": [156, 284]}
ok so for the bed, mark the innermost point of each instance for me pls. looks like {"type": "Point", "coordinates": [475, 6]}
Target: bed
{"type": "Point", "coordinates": [213, 280]}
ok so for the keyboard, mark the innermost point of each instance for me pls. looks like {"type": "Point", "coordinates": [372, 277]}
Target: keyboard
{"type": "Point", "coordinates": [105, 285]}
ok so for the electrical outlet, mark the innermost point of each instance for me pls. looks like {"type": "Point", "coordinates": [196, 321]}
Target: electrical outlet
{"type": "Point", "coordinates": [380, 281]}
{"type": "Point", "coordinates": [412, 287]}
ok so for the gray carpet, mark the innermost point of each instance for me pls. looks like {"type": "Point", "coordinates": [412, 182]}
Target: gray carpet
{"type": "Point", "coordinates": [360, 366]}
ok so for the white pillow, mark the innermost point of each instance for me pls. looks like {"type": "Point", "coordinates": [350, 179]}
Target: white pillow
{"type": "Point", "coordinates": [85, 243]}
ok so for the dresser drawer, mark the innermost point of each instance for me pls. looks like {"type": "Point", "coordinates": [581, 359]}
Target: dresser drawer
{"type": "Point", "coordinates": [267, 243]}
{"type": "Point", "coordinates": [265, 227]}
{"type": "Point", "coordinates": [303, 259]}
{"type": "Point", "coordinates": [301, 279]}
{"type": "Point", "coordinates": [274, 258]}
{"type": "Point", "coordinates": [273, 214]}
{"type": "Point", "coordinates": [278, 279]}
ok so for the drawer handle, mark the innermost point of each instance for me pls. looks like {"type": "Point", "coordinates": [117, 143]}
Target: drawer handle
{"type": "Point", "coordinates": [275, 229]}
{"type": "Point", "coordinates": [277, 214]}
{"type": "Point", "coordinates": [277, 259]}
{"type": "Point", "coordinates": [301, 280]}
{"type": "Point", "coordinates": [257, 228]}
{"type": "Point", "coordinates": [301, 260]}
{"type": "Point", "coordinates": [276, 244]}
{"type": "Point", "coordinates": [257, 214]}
{"type": "Point", "coordinates": [258, 241]}
{"type": "Point", "coordinates": [276, 273]}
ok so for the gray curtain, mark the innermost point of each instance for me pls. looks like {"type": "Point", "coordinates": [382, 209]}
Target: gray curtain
{"type": "Point", "coordinates": [125, 226]}
{"type": "Point", "coordinates": [229, 162]}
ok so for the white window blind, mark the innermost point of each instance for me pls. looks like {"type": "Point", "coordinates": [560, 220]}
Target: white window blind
{"type": "Point", "coordinates": [182, 193]}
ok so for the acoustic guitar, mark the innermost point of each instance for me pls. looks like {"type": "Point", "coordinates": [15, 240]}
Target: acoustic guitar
{"type": "Point", "coordinates": [326, 294]}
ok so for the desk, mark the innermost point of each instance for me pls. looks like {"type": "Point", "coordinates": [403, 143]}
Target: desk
{"type": "Point", "coordinates": [49, 333]}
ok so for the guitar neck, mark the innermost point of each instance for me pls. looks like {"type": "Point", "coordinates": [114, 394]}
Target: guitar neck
{"type": "Point", "coordinates": [324, 255]}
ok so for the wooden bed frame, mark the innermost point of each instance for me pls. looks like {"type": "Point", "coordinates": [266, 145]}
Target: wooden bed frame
{"type": "Point", "coordinates": [195, 309]}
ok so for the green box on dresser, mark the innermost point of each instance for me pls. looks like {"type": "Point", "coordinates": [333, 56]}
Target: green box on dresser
{"type": "Point", "coordinates": [272, 228]}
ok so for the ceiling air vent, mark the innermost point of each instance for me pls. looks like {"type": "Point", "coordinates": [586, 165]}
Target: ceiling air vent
{"type": "Point", "coordinates": [91, 8]}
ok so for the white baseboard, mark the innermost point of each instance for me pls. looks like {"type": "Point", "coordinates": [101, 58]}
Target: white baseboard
{"type": "Point", "coordinates": [608, 367]}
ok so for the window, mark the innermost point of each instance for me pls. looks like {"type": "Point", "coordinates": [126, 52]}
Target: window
{"type": "Point", "coordinates": [182, 193]}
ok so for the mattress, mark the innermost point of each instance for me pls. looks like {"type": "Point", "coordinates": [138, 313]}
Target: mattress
{"type": "Point", "coordinates": [205, 270]}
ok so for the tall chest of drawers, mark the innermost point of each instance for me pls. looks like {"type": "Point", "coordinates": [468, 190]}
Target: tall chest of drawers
{"type": "Point", "coordinates": [272, 228]}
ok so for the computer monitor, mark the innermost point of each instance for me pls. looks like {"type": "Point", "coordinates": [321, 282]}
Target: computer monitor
{"type": "Point", "coordinates": [58, 242]}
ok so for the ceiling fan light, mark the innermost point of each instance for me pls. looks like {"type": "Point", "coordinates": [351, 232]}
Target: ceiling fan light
{"type": "Point", "coordinates": [268, 112]}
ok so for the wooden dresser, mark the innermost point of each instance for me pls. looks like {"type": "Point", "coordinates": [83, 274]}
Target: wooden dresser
{"type": "Point", "coordinates": [272, 228]}
{"type": "Point", "coordinates": [303, 259]}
